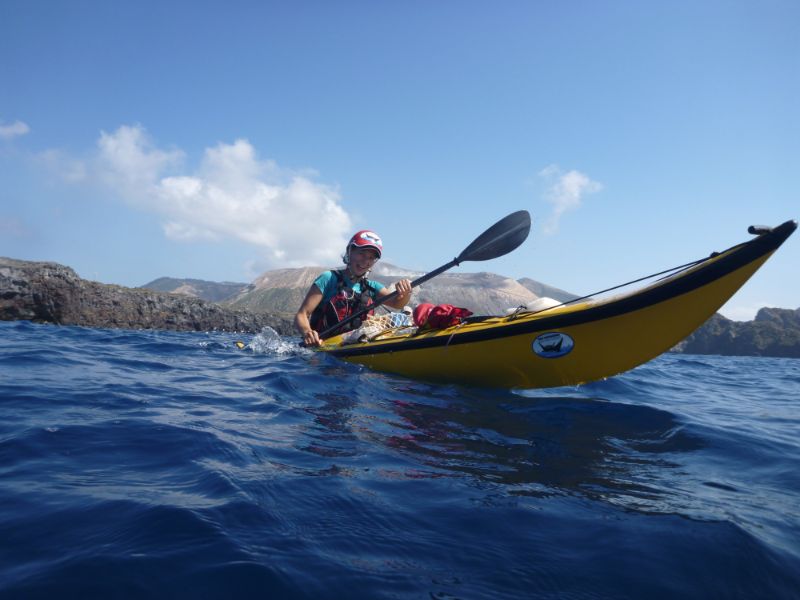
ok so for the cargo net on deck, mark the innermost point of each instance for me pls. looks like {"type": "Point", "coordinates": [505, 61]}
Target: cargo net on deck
{"type": "Point", "coordinates": [398, 323]}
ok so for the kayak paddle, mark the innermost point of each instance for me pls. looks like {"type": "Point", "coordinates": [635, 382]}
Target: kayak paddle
{"type": "Point", "coordinates": [500, 239]}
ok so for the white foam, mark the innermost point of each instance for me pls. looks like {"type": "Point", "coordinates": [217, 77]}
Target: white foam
{"type": "Point", "coordinates": [270, 341]}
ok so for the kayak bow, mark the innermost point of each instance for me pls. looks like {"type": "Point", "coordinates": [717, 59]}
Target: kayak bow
{"type": "Point", "coordinates": [574, 343]}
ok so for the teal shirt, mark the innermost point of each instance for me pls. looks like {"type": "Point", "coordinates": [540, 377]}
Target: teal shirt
{"type": "Point", "coordinates": [327, 283]}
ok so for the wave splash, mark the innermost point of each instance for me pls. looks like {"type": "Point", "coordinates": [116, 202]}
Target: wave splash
{"type": "Point", "coordinates": [270, 342]}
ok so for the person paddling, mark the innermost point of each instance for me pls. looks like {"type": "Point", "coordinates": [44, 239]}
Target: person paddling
{"type": "Point", "coordinates": [337, 294]}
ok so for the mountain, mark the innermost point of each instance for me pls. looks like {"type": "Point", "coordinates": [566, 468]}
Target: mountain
{"type": "Point", "coordinates": [774, 332]}
{"type": "Point", "coordinates": [546, 291]}
{"type": "Point", "coordinates": [483, 293]}
{"type": "Point", "coordinates": [281, 290]}
{"type": "Point", "coordinates": [207, 290]}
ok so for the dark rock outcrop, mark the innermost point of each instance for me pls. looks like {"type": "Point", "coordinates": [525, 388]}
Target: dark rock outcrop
{"type": "Point", "coordinates": [47, 292]}
{"type": "Point", "coordinates": [774, 332]}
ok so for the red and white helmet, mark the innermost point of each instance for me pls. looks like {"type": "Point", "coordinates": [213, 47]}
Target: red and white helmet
{"type": "Point", "coordinates": [366, 239]}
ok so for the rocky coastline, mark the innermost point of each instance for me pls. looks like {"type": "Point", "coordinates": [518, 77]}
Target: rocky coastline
{"type": "Point", "coordinates": [774, 332]}
{"type": "Point", "coordinates": [46, 292]}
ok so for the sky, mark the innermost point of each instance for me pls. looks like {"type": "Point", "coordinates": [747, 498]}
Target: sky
{"type": "Point", "coordinates": [217, 140]}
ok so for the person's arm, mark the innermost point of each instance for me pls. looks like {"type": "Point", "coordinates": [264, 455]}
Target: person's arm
{"type": "Point", "coordinates": [403, 288]}
{"type": "Point", "coordinates": [301, 319]}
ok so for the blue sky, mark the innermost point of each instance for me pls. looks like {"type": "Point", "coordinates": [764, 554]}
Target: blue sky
{"type": "Point", "coordinates": [216, 140]}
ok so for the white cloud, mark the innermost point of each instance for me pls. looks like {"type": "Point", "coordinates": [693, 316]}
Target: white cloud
{"type": "Point", "coordinates": [129, 158]}
{"type": "Point", "coordinates": [17, 128]}
{"type": "Point", "coordinates": [565, 192]}
{"type": "Point", "coordinates": [232, 195]}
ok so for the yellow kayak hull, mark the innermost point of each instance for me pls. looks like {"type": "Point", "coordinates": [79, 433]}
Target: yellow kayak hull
{"type": "Point", "coordinates": [572, 344]}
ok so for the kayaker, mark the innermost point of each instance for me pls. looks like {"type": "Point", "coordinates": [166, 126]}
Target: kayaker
{"type": "Point", "coordinates": [337, 294]}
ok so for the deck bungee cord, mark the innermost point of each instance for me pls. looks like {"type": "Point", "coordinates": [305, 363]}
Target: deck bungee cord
{"type": "Point", "coordinates": [667, 273]}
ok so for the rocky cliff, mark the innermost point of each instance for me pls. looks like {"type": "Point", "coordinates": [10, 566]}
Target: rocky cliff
{"type": "Point", "coordinates": [47, 292]}
{"type": "Point", "coordinates": [774, 332]}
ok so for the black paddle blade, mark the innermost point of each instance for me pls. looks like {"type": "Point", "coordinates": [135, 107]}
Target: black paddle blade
{"type": "Point", "coordinates": [501, 238]}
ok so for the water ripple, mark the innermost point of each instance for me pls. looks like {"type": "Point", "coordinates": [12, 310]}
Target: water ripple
{"type": "Point", "coordinates": [158, 464]}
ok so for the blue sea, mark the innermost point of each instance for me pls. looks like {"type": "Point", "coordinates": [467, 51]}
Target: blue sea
{"type": "Point", "coordinates": [146, 464]}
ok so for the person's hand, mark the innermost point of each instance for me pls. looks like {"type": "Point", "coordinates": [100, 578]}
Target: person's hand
{"type": "Point", "coordinates": [311, 338]}
{"type": "Point", "coordinates": [403, 288]}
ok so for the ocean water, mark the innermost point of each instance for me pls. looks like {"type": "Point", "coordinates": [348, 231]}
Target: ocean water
{"type": "Point", "coordinates": [173, 465]}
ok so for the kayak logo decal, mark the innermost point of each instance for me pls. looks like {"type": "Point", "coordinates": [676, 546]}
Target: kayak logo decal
{"type": "Point", "coordinates": [552, 345]}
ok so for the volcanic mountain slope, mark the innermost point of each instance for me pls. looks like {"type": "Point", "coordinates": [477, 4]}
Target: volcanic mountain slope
{"type": "Point", "coordinates": [483, 293]}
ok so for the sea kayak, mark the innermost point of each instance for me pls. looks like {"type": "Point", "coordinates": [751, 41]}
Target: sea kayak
{"type": "Point", "coordinates": [573, 343]}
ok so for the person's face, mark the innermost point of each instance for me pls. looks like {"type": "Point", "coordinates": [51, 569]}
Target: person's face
{"type": "Point", "coordinates": [362, 259]}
